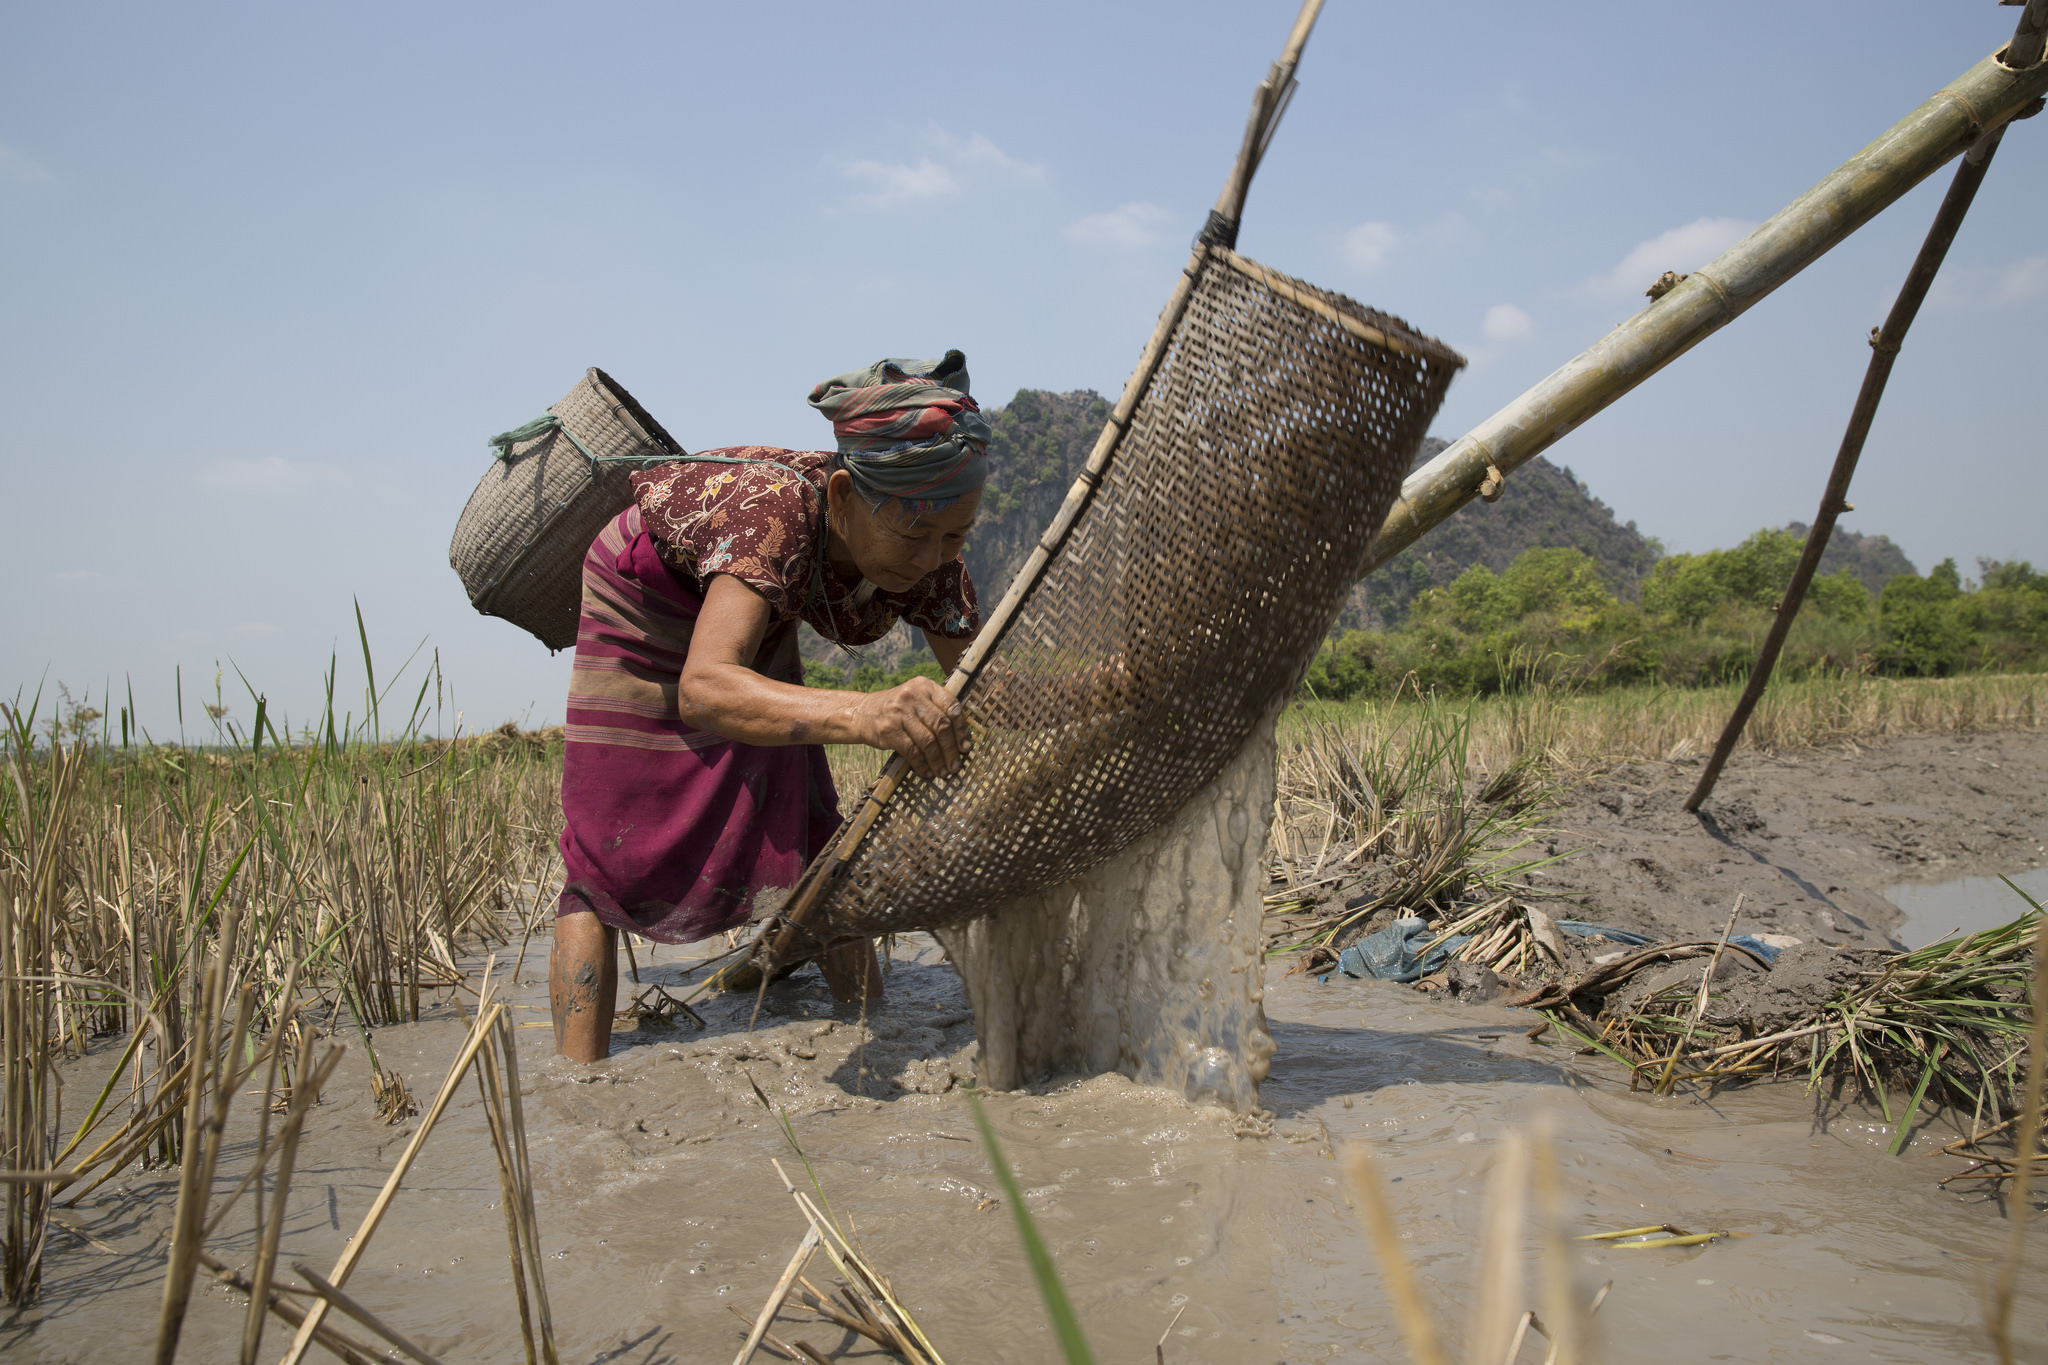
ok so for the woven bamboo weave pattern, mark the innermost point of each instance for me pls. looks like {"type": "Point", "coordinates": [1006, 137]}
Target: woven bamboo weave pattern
{"type": "Point", "coordinates": [520, 541]}
{"type": "Point", "coordinates": [1193, 590]}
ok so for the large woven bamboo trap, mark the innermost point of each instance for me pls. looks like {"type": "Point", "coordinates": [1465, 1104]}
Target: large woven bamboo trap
{"type": "Point", "coordinates": [1233, 517]}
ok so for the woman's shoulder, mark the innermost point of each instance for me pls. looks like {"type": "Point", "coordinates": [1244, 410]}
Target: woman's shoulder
{"type": "Point", "coordinates": [743, 510]}
{"type": "Point", "coordinates": [714, 475]}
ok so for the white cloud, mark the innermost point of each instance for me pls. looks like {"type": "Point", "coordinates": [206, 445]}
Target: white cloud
{"type": "Point", "coordinates": [1125, 227]}
{"type": "Point", "coordinates": [893, 183]}
{"type": "Point", "coordinates": [1366, 246]}
{"type": "Point", "coordinates": [20, 167]}
{"type": "Point", "coordinates": [979, 153]}
{"type": "Point", "coordinates": [267, 474]}
{"type": "Point", "coordinates": [953, 163]}
{"type": "Point", "coordinates": [2024, 280]}
{"type": "Point", "coordinates": [1682, 249]}
{"type": "Point", "coordinates": [1505, 322]}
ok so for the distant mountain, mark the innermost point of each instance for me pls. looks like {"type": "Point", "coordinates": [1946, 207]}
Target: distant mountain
{"type": "Point", "coordinates": [1873, 559]}
{"type": "Point", "coordinates": [1543, 506]}
{"type": "Point", "coordinates": [1043, 438]}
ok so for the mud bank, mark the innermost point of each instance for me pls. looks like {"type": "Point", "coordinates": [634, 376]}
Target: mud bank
{"type": "Point", "coordinates": [1811, 837]}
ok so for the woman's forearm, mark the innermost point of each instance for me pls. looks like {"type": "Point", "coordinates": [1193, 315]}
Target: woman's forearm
{"type": "Point", "coordinates": [733, 700]}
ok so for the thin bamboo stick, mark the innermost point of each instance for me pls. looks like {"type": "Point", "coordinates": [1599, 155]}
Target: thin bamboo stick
{"type": "Point", "coordinates": [340, 1299]}
{"type": "Point", "coordinates": [795, 1267]}
{"type": "Point", "coordinates": [1884, 351]}
{"type": "Point", "coordinates": [479, 1032]}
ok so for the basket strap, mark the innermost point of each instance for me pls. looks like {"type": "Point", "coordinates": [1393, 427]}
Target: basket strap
{"type": "Point", "coordinates": [548, 422]}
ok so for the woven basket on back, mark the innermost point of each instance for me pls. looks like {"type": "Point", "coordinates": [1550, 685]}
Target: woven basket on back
{"type": "Point", "coordinates": [520, 542]}
{"type": "Point", "coordinates": [1193, 591]}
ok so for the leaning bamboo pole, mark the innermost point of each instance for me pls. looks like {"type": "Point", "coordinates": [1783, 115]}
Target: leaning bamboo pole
{"type": "Point", "coordinates": [1978, 102]}
{"type": "Point", "coordinates": [1884, 350]}
{"type": "Point", "coordinates": [1269, 102]}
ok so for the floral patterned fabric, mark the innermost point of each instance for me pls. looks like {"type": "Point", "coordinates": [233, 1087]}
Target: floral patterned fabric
{"type": "Point", "coordinates": [759, 523]}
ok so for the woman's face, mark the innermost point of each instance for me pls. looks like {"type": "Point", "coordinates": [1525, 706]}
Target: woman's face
{"type": "Point", "coordinates": [890, 547]}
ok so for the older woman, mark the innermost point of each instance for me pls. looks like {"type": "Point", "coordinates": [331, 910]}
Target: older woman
{"type": "Point", "coordinates": [695, 777]}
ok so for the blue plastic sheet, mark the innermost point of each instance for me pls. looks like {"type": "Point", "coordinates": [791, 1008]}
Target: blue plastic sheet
{"type": "Point", "coordinates": [1757, 946]}
{"type": "Point", "coordinates": [1396, 953]}
{"type": "Point", "coordinates": [1578, 928]}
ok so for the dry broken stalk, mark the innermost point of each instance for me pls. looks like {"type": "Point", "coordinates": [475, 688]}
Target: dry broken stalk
{"type": "Point", "coordinates": [341, 1300]}
{"type": "Point", "coordinates": [1699, 1005]}
{"type": "Point", "coordinates": [343, 1346]}
{"type": "Point", "coordinates": [2026, 1142]}
{"type": "Point", "coordinates": [790, 1272]}
{"type": "Point", "coordinates": [480, 1031]}
{"type": "Point", "coordinates": [1361, 1176]}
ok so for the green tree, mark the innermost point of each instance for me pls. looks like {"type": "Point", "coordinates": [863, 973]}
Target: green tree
{"type": "Point", "coordinates": [1840, 595]}
{"type": "Point", "coordinates": [1923, 635]}
{"type": "Point", "coordinates": [1560, 581]}
{"type": "Point", "coordinates": [819, 674]}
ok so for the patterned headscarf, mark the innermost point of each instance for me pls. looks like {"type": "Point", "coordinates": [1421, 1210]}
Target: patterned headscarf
{"type": "Point", "coordinates": [908, 429]}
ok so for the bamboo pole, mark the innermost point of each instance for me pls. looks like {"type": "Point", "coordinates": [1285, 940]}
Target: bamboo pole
{"type": "Point", "coordinates": [1268, 103]}
{"type": "Point", "coordinates": [1979, 101]}
{"type": "Point", "coordinates": [1884, 352]}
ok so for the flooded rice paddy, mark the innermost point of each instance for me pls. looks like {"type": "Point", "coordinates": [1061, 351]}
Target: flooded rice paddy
{"type": "Point", "coordinates": [659, 1208]}
{"type": "Point", "coordinates": [1963, 905]}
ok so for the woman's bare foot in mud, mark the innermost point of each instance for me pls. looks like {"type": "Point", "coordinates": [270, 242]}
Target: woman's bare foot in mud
{"type": "Point", "coordinates": [583, 986]}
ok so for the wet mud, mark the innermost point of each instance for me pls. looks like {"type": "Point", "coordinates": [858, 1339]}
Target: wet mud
{"type": "Point", "coordinates": [1813, 839]}
{"type": "Point", "coordinates": [659, 1207]}
{"type": "Point", "coordinates": [660, 1212]}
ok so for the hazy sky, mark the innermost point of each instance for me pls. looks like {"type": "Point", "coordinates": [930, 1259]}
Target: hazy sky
{"type": "Point", "coordinates": [269, 276]}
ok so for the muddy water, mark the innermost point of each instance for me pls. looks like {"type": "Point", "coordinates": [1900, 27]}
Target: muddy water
{"type": "Point", "coordinates": [660, 1209]}
{"type": "Point", "coordinates": [1962, 906]}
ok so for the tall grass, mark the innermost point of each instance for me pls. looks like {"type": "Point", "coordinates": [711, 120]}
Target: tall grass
{"type": "Point", "coordinates": [355, 867]}
{"type": "Point", "coordinates": [1576, 733]}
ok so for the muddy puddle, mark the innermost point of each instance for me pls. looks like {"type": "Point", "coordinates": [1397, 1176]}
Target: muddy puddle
{"type": "Point", "coordinates": [1963, 905]}
{"type": "Point", "coordinates": [659, 1207]}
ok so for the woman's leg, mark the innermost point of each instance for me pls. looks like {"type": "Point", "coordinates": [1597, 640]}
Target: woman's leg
{"type": "Point", "coordinates": [583, 986]}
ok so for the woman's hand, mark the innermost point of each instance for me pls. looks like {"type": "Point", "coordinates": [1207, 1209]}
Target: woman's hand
{"type": "Point", "coordinates": [921, 721]}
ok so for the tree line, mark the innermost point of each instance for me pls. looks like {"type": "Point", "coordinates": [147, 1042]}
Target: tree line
{"type": "Point", "coordinates": [1551, 618]}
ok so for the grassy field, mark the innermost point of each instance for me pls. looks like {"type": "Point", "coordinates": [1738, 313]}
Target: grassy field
{"type": "Point", "coordinates": [1576, 734]}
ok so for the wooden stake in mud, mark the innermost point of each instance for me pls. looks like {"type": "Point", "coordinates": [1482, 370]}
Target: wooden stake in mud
{"type": "Point", "coordinates": [1269, 102]}
{"type": "Point", "coordinates": [1884, 349]}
